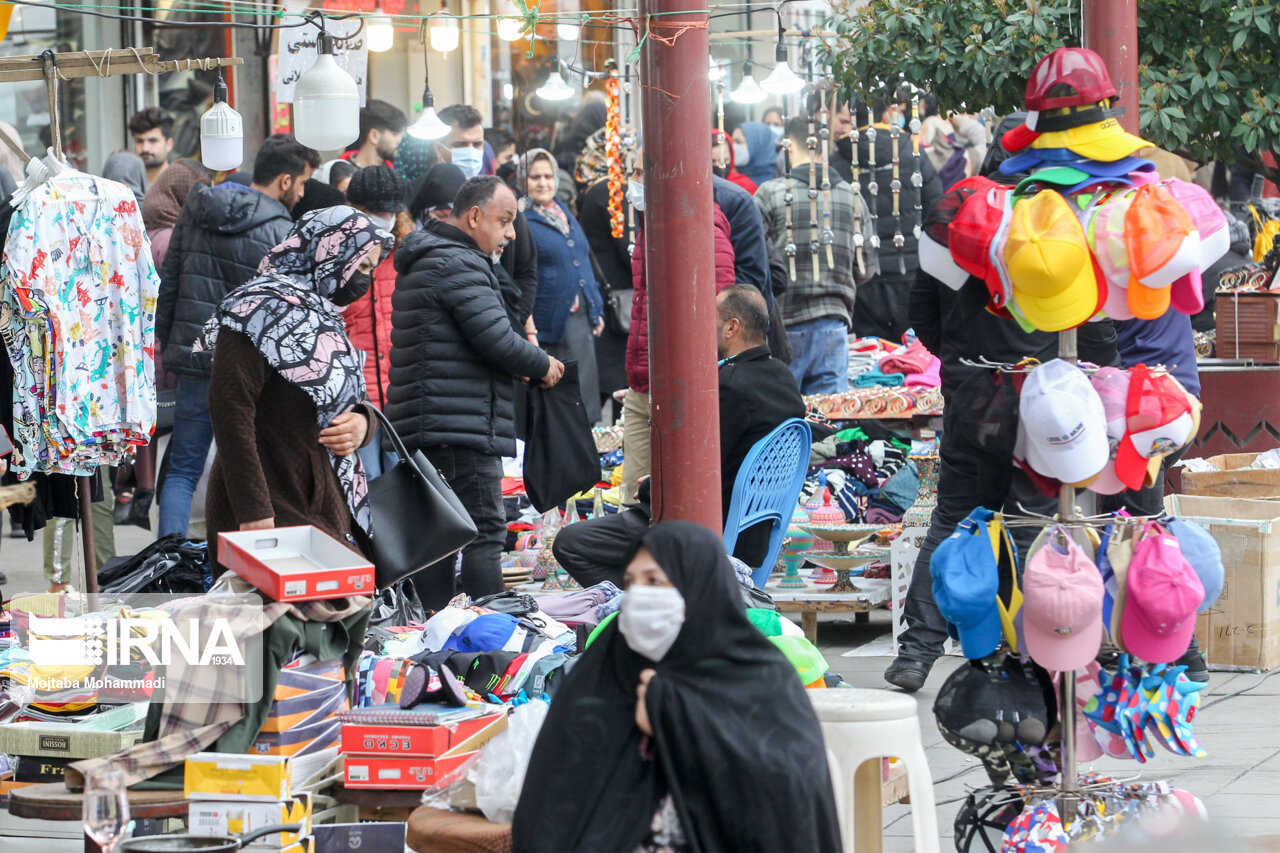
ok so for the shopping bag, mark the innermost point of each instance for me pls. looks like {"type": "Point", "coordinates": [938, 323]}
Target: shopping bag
{"type": "Point", "coordinates": [417, 518]}
{"type": "Point", "coordinates": [560, 458]}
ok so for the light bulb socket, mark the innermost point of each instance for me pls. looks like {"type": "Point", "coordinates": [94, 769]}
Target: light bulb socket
{"type": "Point", "coordinates": [780, 52]}
{"type": "Point", "coordinates": [220, 90]}
{"type": "Point", "coordinates": [428, 100]}
{"type": "Point", "coordinates": [326, 44]}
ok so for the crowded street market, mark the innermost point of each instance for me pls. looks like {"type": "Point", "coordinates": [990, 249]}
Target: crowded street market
{"type": "Point", "coordinates": [565, 425]}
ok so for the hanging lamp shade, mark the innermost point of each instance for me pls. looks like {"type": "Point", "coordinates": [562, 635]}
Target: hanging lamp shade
{"type": "Point", "coordinates": [568, 32]}
{"type": "Point", "coordinates": [221, 133]}
{"type": "Point", "coordinates": [380, 33]}
{"type": "Point", "coordinates": [443, 32]}
{"type": "Point", "coordinates": [555, 89]}
{"type": "Point", "coordinates": [326, 103]}
{"type": "Point", "coordinates": [748, 91]}
{"type": "Point", "coordinates": [781, 80]}
{"type": "Point", "coordinates": [428, 125]}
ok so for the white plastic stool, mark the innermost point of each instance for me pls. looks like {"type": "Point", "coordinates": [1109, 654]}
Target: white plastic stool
{"type": "Point", "coordinates": [859, 728]}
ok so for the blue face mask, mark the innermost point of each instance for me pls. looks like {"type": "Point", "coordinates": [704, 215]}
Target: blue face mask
{"type": "Point", "coordinates": [901, 120]}
{"type": "Point", "coordinates": [469, 160]}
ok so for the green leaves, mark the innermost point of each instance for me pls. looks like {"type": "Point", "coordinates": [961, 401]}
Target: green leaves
{"type": "Point", "coordinates": [1209, 71]}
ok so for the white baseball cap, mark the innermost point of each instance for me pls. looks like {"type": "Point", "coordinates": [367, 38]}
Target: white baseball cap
{"type": "Point", "coordinates": [1063, 425]}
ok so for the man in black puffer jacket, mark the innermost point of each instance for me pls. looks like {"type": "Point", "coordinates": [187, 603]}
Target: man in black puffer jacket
{"type": "Point", "coordinates": [453, 356]}
{"type": "Point", "coordinates": [221, 235]}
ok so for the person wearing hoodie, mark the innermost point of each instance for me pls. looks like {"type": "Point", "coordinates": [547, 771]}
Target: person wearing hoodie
{"type": "Point", "coordinates": [453, 361]}
{"type": "Point", "coordinates": [725, 164]}
{"type": "Point", "coordinates": [760, 144]}
{"type": "Point", "coordinates": [128, 169]}
{"type": "Point", "coordinates": [217, 242]}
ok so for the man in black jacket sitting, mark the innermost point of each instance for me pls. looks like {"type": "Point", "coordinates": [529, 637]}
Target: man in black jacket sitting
{"type": "Point", "coordinates": [453, 356]}
{"type": "Point", "coordinates": [757, 393]}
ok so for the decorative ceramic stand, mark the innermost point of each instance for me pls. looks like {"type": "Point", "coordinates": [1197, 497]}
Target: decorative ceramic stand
{"type": "Point", "coordinates": [841, 560]}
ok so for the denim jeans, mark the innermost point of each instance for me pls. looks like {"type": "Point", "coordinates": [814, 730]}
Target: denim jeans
{"type": "Point", "coordinates": [192, 436]}
{"type": "Point", "coordinates": [820, 355]}
{"type": "Point", "coordinates": [476, 478]}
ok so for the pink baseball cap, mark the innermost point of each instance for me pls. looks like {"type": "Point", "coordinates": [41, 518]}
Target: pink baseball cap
{"type": "Point", "coordinates": [1105, 228]}
{"type": "Point", "coordinates": [1162, 594]}
{"type": "Point", "coordinates": [1062, 593]}
{"type": "Point", "coordinates": [1187, 294]}
{"type": "Point", "coordinates": [1112, 385]}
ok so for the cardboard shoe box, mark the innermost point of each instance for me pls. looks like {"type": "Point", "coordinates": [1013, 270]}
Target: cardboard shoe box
{"type": "Point", "coordinates": [296, 563]}
{"type": "Point", "coordinates": [416, 741]}
{"type": "Point", "coordinates": [402, 774]}
{"type": "Point", "coordinates": [1241, 631]}
{"type": "Point", "coordinates": [237, 817]}
{"type": "Point", "coordinates": [62, 740]}
{"type": "Point", "coordinates": [219, 775]}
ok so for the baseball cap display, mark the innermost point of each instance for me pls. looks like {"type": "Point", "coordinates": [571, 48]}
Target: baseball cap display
{"type": "Point", "coordinates": [1103, 140]}
{"type": "Point", "coordinates": [1162, 596]}
{"type": "Point", "coordinates": [1160, 419]}
{"type": "Point", "coordinates": [1063, 424]}
{"type": "Point", "coordinates": [965, 585]}
{"type": "Point", "coordinates": [1062, 605]}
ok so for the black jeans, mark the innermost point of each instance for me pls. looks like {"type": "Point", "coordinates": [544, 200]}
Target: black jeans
{"type": "Point", "coordinates": [597, 549]}
{"type": "Point", "coordinates": [968, 477]}
{"type": "Point", "coordinates": [476, 479]}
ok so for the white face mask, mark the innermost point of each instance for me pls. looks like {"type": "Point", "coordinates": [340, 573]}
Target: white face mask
{"type": "Point", "coordinates": [469, 160]}
{"type": "Point", "coordinates": [635, 194]}
{"type": "Point", "coordinates": [386, 223]}
{"type": "Point", "coordinates": [776, 130]}
{"type": "Point", "coordinates": [650, 619]}
{"type": "Point", "coordinates": [741, 154]}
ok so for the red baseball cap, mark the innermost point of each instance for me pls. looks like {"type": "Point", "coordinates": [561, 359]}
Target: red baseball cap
{"type": "Point", "coordinates": [1069, 77]}
{"type": "Point", "coordinates": [1159, 420]}
{"type": "Point", "coordinates": [974, 229]}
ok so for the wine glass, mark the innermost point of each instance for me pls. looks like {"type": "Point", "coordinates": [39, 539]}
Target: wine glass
{"type": "Point", "coordinates": [106, 808]}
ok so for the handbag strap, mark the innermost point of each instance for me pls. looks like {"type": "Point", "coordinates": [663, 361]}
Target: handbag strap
{"type": "Point", "coordinates": [385, 424]}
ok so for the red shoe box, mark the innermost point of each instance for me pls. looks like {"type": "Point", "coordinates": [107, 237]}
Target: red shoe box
{"type": "Point", "coordinates": [296, 563]}
{"type": "Point", "coordinates": [418, 741]}
{"type": "Point", "coordinates": [373, 771]}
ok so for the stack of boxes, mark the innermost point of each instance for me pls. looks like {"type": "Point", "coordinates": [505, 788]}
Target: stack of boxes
{"type": "Point", "coordinates": [303, 717]}
{"type": "Point", "coordinates": [238, 794]}
{"type": "Point", "coordinates": [385, 747]}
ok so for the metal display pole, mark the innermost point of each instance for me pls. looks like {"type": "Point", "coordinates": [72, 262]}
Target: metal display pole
{"type": "Point", "coordinates": [1069, 796]}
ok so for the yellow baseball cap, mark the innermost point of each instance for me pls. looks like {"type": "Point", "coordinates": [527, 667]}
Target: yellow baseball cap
{"type": "Point", "coordinates": [1105, 140]}
{"type": "Point", "coordinates": [1050, 264]}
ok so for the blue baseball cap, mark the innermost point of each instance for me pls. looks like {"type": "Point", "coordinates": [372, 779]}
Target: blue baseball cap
{"type": "Point", "coordinates": [1203, 554]}
{"type": "Point", "coordinates": [1034, 158]}
{"type": "Point", "coordinates": [488, 633]}
{"type": "Point", "coordinates": [966, 584]}
{"type": "Point", "coordinates": [1115, 168]}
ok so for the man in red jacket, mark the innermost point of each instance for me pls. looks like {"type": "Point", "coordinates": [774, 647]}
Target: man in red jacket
{"type": "Point", "coordinates": [635, 405]}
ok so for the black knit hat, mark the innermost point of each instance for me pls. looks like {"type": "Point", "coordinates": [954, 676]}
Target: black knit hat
{"type": "Point", "coordinates": [438, 189]}
{"type": "Point", "coordinates": [377, 189]}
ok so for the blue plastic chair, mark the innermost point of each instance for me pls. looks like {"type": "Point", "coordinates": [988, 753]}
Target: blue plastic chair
{"type": "Point", "coordinates": [767, 488]}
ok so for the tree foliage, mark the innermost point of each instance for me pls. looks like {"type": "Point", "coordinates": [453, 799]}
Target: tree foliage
{"type": "Point", "coordinates": [1209, 85]}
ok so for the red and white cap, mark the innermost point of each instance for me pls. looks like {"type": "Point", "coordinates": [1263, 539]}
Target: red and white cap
{"type": "Point", "coordinates": [1159, 419]}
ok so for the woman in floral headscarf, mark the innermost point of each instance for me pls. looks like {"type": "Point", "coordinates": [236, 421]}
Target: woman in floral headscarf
{"type": "Point", "coordinates": [287, 393]}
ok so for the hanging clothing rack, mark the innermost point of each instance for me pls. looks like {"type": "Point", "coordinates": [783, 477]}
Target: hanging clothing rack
{"type": "Point", "coordinates": [52, 67]}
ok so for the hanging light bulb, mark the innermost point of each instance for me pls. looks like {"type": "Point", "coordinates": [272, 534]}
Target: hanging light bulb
{"type": "Point", "coordinates": [555, 89]}
{"type": "Point", "coordinates": [509, 29]}
{"type": "Point", "coordinates": [380, 33]}
{"type": "Point", "coordinates": [568, 32]}
{"type": "Point", "coordinates": [326, 102]}
{"type": "Point", "coordinates": [716, 74]}
{"type": "Point", "coordinates": [443, 30]}
{"type": "Point", "coordinates": [782, 80]}
{"type": "Point", "coordinates": [748, 91]}
{"type": "Point", "coordinates": [428, 125]}
{"type": "Point", "coordinates": [221, 133]}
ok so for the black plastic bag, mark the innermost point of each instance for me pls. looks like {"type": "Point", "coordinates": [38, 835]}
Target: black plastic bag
{"type": "Point", "coordinates": [560, 457]}
{"type": "Point", "coordinates": [173, 564]}
{"type": "Point", "coordinates": [397, 605]}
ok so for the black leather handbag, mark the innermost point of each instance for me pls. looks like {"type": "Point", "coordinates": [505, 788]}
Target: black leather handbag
{"type": "Point", "coordinates": [417, 518]}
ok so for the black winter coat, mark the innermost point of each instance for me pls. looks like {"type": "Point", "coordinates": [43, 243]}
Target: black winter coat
{"type": "Point", "coordinates": [453, 351]}
{"type": "Point", "coordinates": [220, 238]}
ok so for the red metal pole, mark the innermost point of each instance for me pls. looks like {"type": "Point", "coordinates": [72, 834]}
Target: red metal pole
{"type": "Point", "coordinates": [675, 106]}
{"type": "Point", "coordinates": [1111, 29]}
